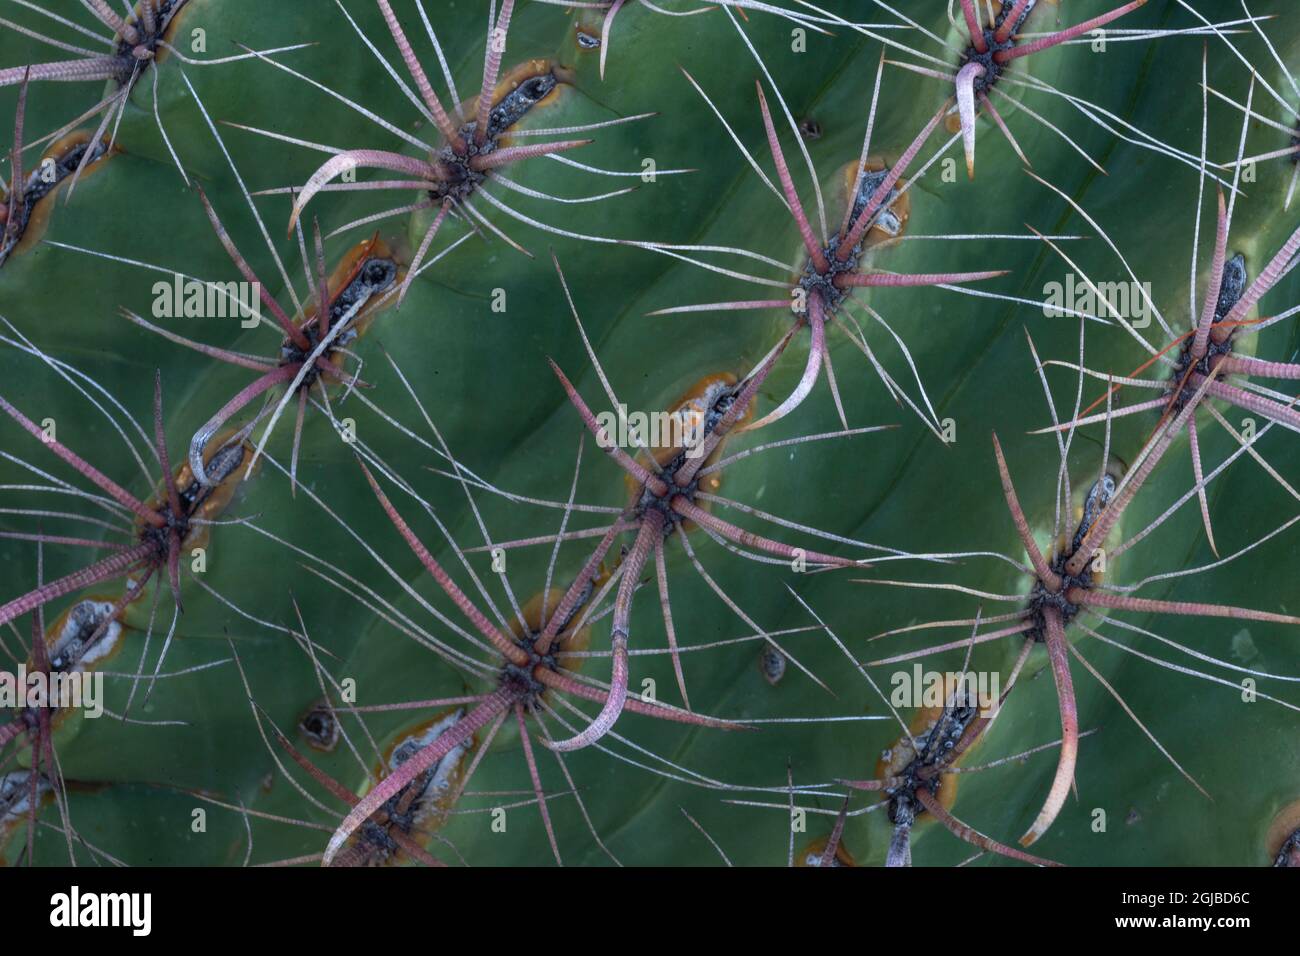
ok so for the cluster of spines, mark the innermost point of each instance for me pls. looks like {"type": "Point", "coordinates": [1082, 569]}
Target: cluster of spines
{"type": "Point", "coordinates": [830, 272]}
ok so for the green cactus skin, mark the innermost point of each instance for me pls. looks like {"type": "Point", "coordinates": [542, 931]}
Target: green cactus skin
{"type": "Point", "coordinates": [471, 339]}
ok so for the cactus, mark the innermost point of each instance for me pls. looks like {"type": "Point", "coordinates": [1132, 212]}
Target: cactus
{"type": "Point", "coordinates": [528, 432]}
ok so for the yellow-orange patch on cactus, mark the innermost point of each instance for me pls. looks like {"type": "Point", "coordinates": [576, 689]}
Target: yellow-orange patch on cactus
{"type": "Point", "coordinates": [346, 272]}
{"type": "Point", "coordinates": [225, 464]}
{"type": "Point", "coordinates": [812, 854]}
{"type": "Point", "coordinates": [567, 638]}
{"type": "Point", "coordinates": [899, 210]}
{"type": "Point", "coordinates": [422, 806]}
{"type": "Point", "coordinates": [174, 14]}
{"type": "Point", "coordinates": [896, 759]}
{"type": "Point", "coordinates": [672, 432]}
{"type": "Point", "coordinates": [513, 79]}
{"type": "Point", "coordinates": [66, 638]}
{"type": "Point", "coordinates": [54, 171]}
{"type": "Point", "coordinates": [1284, 832]}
